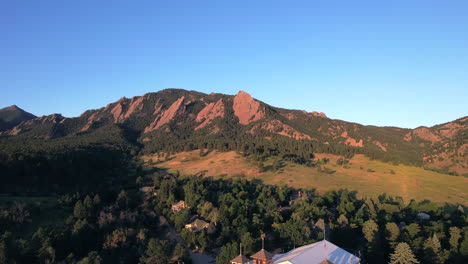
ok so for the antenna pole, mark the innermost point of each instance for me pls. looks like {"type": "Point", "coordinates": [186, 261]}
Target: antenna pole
{"type": "Point", "coordinates": [263, 241]}
{"type": "Point", "coordinates": [324, 231]}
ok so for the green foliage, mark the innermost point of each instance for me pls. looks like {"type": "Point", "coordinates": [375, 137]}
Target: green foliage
{"type": "Point", "coordinates": [79, 211]}
{"type": "Point", "coordinates": [369, 230]}
{"type": "Point", "coordinates": [228, 252]}
{"type": "Point", "coordinates": [157, 252]}
{"type": "Point", "coordinates": [92, 258]}
{"type": "Point", "coordinates": [455, 235]}
{"type": "Point", "coordinates": [392, 232]}
{"type": "Point", "coordinates": [403, 255]}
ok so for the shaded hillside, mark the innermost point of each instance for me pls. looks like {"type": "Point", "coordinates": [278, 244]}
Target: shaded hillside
{"type": "Point", "coordinates": [12, 116]}
{"type": "Point", "coordinates": [177, 120]}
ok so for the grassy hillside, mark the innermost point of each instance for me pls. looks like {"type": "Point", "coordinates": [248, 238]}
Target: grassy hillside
{"type": "Point", "coordinates": [368, 177]}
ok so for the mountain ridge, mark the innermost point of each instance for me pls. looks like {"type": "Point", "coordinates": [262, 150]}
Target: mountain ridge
{"type": "Point", "coordinates": [170, 118]}
{"type": "Point", "coordinates": [12, 116]}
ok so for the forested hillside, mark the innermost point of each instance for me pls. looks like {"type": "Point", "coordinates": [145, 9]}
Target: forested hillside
{"type": "Point", "coordinates": [176, 120]}
{"type": "Point", "coordinates": [129, 226]}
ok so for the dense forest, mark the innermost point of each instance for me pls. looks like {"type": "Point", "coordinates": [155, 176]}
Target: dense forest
{"type": "Point", "coordinates": [127, 225]}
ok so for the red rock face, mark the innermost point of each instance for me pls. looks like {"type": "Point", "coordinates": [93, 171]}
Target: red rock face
{"type": "Point", "coordinates": [117, 112]}
{"type": "Point", "coordinates": [26, 125]}
{"type": "Point", "coordinates": [136, 104]}
{"type": "Point", "coordinates": [167, 115]}
{"type": "Point", "coordinates": [321, 114]}
{"type": "Point", "coordinates": [378, 144]}
{"type": "Point", "coordinates": [426, 134]}
{"type": "Point", "coordinates": [351, 141]}
{"type": "Point", "coordinates": [210, 112]}
{"type": "Point", "coordinates": [246, 108]}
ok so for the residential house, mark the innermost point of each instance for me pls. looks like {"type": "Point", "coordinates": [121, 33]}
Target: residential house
{"type": "Point", "coordinates": [178, 206]}
{"type": "Point", "coordinates": [197, 225]}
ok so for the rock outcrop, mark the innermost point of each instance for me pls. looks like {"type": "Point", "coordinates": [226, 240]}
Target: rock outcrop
{"type": "Point", "coordinates": [246, 108]}
{"type": "Point", "coordinates": [210, 112]}
{"type": "Point", "coordinates": [176, 108]}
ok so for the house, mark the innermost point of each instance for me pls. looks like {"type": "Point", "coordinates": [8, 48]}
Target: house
{"type": "Point", "coordinates": [147, 189]}
{"type": "Point", "coordinates": [322, 252]}
{"type": "Point", "coordinates": [262, 257]}
{"type": "Point", "coordinates": [240, 260]}
{"type": "Point", "coordinates": [178, 206]}
{"type": "Point", "coordinates": [197, 225]}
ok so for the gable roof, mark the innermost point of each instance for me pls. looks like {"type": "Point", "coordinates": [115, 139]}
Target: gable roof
{"type": "Point", "coordinates": [262, 254]}
{"type": "Point", "coordinates": [317, 253]}
{"type": "Point", "coordinates": [240, 259]}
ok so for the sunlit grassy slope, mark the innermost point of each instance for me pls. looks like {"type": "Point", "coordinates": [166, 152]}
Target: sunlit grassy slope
{"type": "Point", "coordinates": [368, 177]}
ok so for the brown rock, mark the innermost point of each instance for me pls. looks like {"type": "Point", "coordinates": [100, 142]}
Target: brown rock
{"type": "Point", "coordinates": [246, 108]}
{"type": "Point", "coordinates": [167, 115]}
{"type": "Point", "coordinates": [210, 112]}
{"type": "Point", "coordinates": [425, 134]}
{"type": "Point", "coordinates": [136, 103]}
{"type": "Point", "coordinates": [378, 144]}
{"type": "Point", "coordinates": [117, 112]}
{"type": "Point", "coordinates": [317, 114]}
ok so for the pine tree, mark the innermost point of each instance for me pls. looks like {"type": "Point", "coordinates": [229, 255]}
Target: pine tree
{"type": "Point", "coordinates": [79, 211]}
{"type": "Point", "coordinates": [96, 199]}
{"type": "Point", "coordinates": [403, 255]}
{"type": "Point", "coordinates": [455, 235]}
{"type": "Point", "coordinates": [342, 220]}
{"type": "Point", "coordinates": [369, 229]}
{"type": "Point", "coordinates": [88, 202]}
{"type": "Point", "coordinates": [432, 250]}
{"type": "Point", "coordinates": [392, 232]}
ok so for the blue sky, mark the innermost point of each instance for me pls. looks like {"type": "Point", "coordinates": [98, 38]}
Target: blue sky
{"type": "Point", "coordinates": [396, 63]}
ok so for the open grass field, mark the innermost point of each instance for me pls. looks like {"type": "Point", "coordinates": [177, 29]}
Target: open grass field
{"type": "Point", "coordinates": [368, 177]}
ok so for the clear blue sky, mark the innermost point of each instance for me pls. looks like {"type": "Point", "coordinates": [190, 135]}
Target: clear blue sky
{"type": "Point", "coordinates": [401, 63]}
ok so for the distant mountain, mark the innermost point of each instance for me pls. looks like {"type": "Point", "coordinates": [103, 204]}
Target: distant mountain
{"type": "Point", "coordinates": [12, 116]}
{"type": "Point", "coordinates": [175, 120]}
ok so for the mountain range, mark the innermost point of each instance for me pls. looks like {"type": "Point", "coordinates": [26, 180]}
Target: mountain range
{"type": "Point", "coordinates": [174, 120]}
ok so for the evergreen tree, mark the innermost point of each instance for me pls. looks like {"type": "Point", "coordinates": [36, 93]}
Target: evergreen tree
{"type": "Point", "coordinates": [247, 243]}
{"type": "Point", "coordinates": [92, 258]}
{"type": "Point", "coordinates": [369, 230]}
{"type": "Point", "coordinates": [342, 220]}
{"type": "Point", "coordinates": [158, 252]}
{"type": "Point", "coordinates": [88, 202]}
{"type": "Point", "coordinates": [96, 199]}
{"type": "Point", "coordinates": [432, 250]}
{"type": "Point", "coordinates": [122, 199]}
{"type": "Point", "coordinates": [392, 232]}
{"type": "Point", "coordinates": [79, 211]}
{"type": "Point", "coordinates": [455, 235]}
{"type": "Point", "coordinates": [228, 252]}
{"type": "Point", "coordinates": [3, 252]}
{"type": "Point", "coordinates": [403, 255]}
